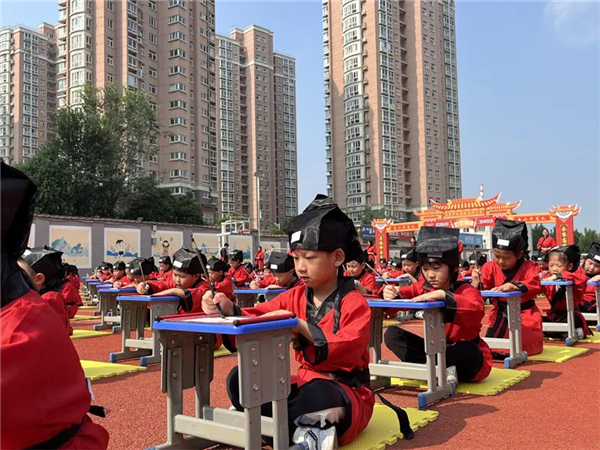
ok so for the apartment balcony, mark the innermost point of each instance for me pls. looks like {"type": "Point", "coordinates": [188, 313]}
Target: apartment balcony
{"type": "Point", "coordinates": [62, 2]}
{"type": "Point", "coordinates": [62, 15]}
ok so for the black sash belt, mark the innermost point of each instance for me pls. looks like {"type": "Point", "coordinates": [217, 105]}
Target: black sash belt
{"type": "Point", "coordinates": [503, 306]}
{"type": "Point", "coordinates": [59, 440]}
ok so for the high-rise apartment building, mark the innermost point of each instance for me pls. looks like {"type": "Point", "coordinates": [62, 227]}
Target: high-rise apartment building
{"type": "Point", "coordinates": [256, 128]}
{"type": "Point", "coordinates": [166, 48]}
{"type": "Point", "coordinates": [27, 90]}
{"type": "Point", "coordinates": [392, 140]}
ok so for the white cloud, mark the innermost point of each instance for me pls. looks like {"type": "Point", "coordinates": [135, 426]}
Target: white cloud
{"type": "Point", "coordinates": [578, 22]}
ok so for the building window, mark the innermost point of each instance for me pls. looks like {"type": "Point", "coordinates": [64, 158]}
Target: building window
{"type": "Point", "coordinates": [110, 42]}
{"type": "Point", "coordinates": [110, 61]}
{"type": "Point", "coordinates": [110, 78]}
{"type": "Point", "coordinates": [152, 55]}
{"type": "Point", "coordinates": [109, 24]}
{"type": "Point", "coordinates": [110, 6]}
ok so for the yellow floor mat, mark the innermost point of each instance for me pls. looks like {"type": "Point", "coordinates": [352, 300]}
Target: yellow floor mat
{"type": "Point", "coordinates": [79, 317]}
{"type": "Point", "coordinates": [383, 428]}
{"type": "Point", "coordinates": [94, 370]}
{"type": "Point", "coordinates": [498, 381]}
{"type": "Point", "coordinates": [80, 334]}
{"type": "Point", "coordinates": [222, 351]}
{"type": "Point", "coordinates": [390, 323]}
{"type": "Point", "coordinates": [556, 353]}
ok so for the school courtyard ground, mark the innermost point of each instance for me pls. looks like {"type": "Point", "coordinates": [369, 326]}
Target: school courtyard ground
{"type": "Point", "coordinates": [556, 407]}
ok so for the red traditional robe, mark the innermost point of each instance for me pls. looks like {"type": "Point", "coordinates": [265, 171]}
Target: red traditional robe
{"type": "Point", "coordinates": [395, 273]}
{"type": "Point", "coordinates": [125, 281]}
{"type": "Point", "coordinates": [372, 252]}
{"type": "Point", "coordinates": [588, 302]}
{"type": "Point", "coordinates": [267, 280]}
{"type": "Point", "coordinates": [462, 317]}
{"type": "Point", "coordinates": [464, 273]}
{"type": "Point", "coordinates": [259, 257]}
{"type": "Point", "coordinates": [547, 242]}
{"type": "Point", "coordinates": [367, 279]}
{"type": "Point", "coordinates": [105, 277]}
{"type": "Point", "coordinates": [344, 350]}
{"type": "Point", "coordinates": [527, 279]}
{"type": "Point", "coordinates": [43, 386]}
{"type": "Point", "coordinates": [72, 299]}
{"type": "Point", "coordinates": [193, 301]}
{"type": "Point", "coordinates": [165, 274]}
{"type": "Point", "coordinates": [239, 274]}
{"type": "Point", "coordinates": [74, 279]}
{"type": "Point", "coordinates": [58, 304]}
{"type": "Point", "coordinates": [558, 301]}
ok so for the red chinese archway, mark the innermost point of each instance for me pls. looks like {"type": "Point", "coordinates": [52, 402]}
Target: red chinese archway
{"type": "Point", "coordinates": [472, 213]}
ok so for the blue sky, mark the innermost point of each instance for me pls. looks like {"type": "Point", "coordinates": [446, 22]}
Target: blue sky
{"type": "Point", "coordinates": [528, 91]}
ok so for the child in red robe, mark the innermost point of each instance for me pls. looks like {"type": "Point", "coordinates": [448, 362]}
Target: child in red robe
{"type": "Point", "coordinates": [166, 268]}
{"type": "Point", "coordinates": [563, 263]}
{"type": "Point", "coordinates": [237, 271]}
{"type": "Point", "coordinates": [510, 272]}
{"type": "Point", "coordinates": [283, 275]}
{"type": "Point", "coordinates": [332, 335]}
{"type": "Point", "coordinates": [44, 266]}
{"type": "Point", "coordinates": [39, 361]}
{"type": "Point", "coordinates": [591, 269]}
{"type": "Point", "coordinates": [363, 278]}
{"type": "Point", "coordinates": [468, 357]}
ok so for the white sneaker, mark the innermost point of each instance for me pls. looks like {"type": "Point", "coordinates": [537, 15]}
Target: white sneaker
{"type": "Point", "coordinates": [419, 314]}
{"type": "Point", "coordinates": [579, 332]}
{"type": "Point", "coordinates": [311, 438]}
{"type": "Point", "coordinates": [451, 375]}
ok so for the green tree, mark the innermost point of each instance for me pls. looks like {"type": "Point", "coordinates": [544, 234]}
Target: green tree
{"type": "Point", "coordinates": [584, 240]}
{"type": "Point", "coordinates": [91, 165]}
{"type": "Point", "coordinates": [283, 227]}
{"type": "Point", "coordinates": [150, 203]}
{"type": "Point", "coordinates": [368, 214]}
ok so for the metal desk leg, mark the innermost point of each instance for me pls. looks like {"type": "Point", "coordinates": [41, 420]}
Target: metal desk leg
{"type": "Point", "coordinates": [517, 355]}
{"type": "Point", "coordinates": [246, 300]}
{"type": "Point", "coordinates": [375, 344]}
{"type": "Point", "coordinates": [264, 376]}
{"type": "Point", "coordinates": [435, 345]}
{"type": "Point", "coordinates": [598, 309]}
{"type": "Point", "coordinates": [130, 312]}
{"type": "Point", "coordinates": [104, 304]}
{"type": "Point", "coordinates": [204, 371]}
{"type": "Point", "coordinates": [157, 308]}
{"type": "Point", "coordinates": [572, 338]}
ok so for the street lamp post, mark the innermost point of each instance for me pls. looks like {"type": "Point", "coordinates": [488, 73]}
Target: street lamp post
{"type": "Point", "coordinates": [257, 175]}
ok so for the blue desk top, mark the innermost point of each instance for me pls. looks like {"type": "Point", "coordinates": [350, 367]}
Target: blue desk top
{"type": "Point", "coordinates": [405, 304]}
{"type": "Point", "coordinates": [557, 283]}
{"type": "Point", "coordinates": [485, 294]}
{"type": "Point", "coordinates": [195, 327]}
{"type": "Point", "coordinates": [593, 283]}
{"type": "Point", "coordinates": [391, 280]}
{"type": "Point", "coordinates": [258, 291]}
{"type": "Point", "coordinates": [147, 298]}
{"type": "Point", "coordinates": [120, 290]}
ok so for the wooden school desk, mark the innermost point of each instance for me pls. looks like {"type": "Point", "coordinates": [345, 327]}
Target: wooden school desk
{"type": "Point", "coordinates": [134, 309]}
{"type": "Point", "coordinates": [435, 346]}
{"type": "Point", "coordinates": [514, 343]}
{"type": "Point", "coordinates": [264, 373]}
{"type": "Point", "coordinates": [109, 312]}
{"type": "Point", "coordinates": [568, 327]}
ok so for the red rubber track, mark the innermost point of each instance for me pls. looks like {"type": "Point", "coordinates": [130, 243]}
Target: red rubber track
{"type": "Point", "coordinates": [557, 407]}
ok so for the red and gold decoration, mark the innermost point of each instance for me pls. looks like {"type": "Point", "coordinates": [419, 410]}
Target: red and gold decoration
{"type": "Point", "coordinates": [474, 213]}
